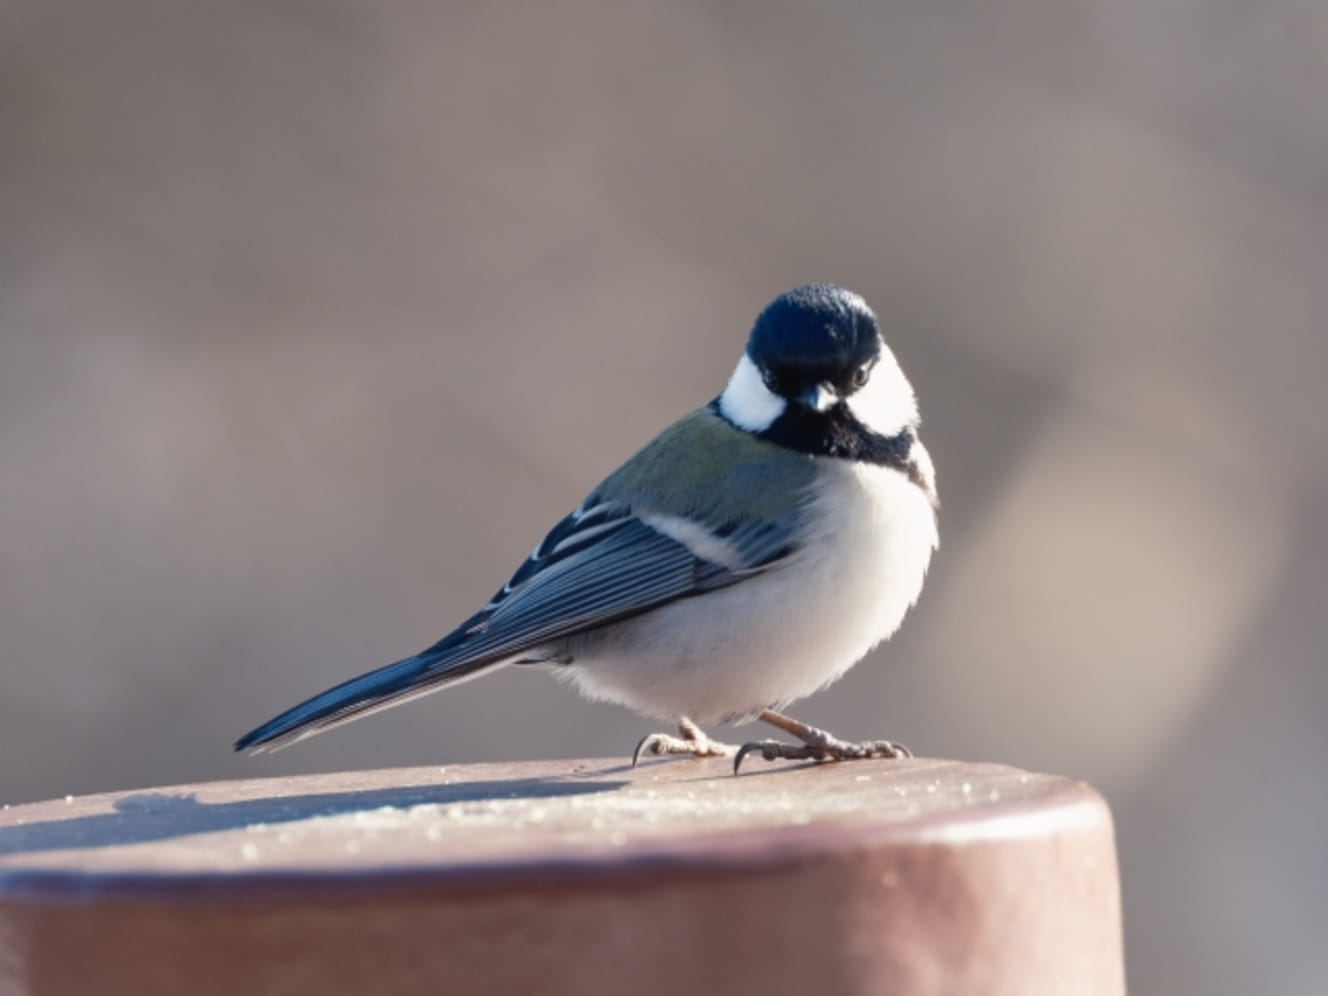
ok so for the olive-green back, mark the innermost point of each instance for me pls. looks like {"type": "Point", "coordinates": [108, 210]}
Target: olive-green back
{"type": "Point", "coordinates": [701, 467]}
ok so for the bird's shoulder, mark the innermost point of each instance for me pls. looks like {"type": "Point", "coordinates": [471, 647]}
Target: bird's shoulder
{"type": "Point", "coordinates": [701, 467]}
{"type": "Point", "coordinates": [722, 495]}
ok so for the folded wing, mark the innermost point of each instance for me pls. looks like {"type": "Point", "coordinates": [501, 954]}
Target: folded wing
{"type": "Point", "coordinates": [601, 564]}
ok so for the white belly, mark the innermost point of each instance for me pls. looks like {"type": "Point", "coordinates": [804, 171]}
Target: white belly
{"type": "Point", "coordinates": [784, 634]}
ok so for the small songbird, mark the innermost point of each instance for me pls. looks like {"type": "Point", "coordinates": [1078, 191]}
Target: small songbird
{"type": "Point", "coordinates": [747, 557]}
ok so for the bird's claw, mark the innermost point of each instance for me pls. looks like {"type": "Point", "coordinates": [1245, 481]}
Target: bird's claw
{"type": "Point", "coordinates": [651, 743]}
{"type": "Point", "coordinates": [823, 748]}
{"type": "Point", "coordinates": [660, 744]}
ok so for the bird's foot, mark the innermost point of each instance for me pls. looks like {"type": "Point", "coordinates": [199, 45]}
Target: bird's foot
{"type": "Point", "coordinates": [692, 740]}
{"type": "Point", "coordinates": [818, 745]}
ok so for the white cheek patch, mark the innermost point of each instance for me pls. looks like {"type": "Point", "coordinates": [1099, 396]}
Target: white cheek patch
{"type": "Point", "coordinates": [886, 404]}
{"type": "Point", "coordinates": [747, 402]}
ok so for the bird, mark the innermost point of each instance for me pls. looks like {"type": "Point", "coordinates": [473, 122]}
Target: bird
{"type": "Point", "coordinates": [743, 559]}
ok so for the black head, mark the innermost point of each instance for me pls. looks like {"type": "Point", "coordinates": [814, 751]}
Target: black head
{"type": "Point", "coordinates": [815, 337]}
{"type": "Point", "coordinates": [817, 378]}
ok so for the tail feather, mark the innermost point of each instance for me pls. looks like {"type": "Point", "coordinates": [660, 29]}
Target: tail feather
{"type": "Point", "coordinates": [388, 686]}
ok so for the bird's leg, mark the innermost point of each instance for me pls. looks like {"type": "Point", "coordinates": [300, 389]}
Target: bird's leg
{"type": "Point", "coordinates": [817, 745]}
{"type": "Point", "coordinates": [691, 740]}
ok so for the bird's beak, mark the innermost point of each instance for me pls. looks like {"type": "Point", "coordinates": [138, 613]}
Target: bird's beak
{"type": "Point", "coordinates": [819, 398]}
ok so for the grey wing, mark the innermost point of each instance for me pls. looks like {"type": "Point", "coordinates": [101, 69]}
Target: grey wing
{"type": "Point", "coordinates": [609, 564]}
{"type": "Point", "coordinates": [599, 565]}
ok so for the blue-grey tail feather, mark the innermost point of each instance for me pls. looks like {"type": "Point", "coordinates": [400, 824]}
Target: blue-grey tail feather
{"type": "Point", "coordinates": [426, 672]}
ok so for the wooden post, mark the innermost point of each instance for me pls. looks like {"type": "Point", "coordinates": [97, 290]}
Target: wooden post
{"type": "Point", "coordinates": [902, 877]}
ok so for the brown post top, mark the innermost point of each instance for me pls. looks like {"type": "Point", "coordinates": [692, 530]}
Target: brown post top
{"type": "Point", "coordinates": [914, 876]}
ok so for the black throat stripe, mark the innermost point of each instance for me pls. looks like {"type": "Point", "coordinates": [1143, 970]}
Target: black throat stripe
{"type": "Point", "coordinates": [836, 433]}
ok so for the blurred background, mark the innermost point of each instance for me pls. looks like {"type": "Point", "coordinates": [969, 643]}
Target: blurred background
{"type": "Point", "coordinates": [313, 317]}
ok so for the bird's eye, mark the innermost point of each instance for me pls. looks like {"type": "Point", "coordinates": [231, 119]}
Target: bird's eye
{"type": "Point", "coordinates": [860, 375]}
